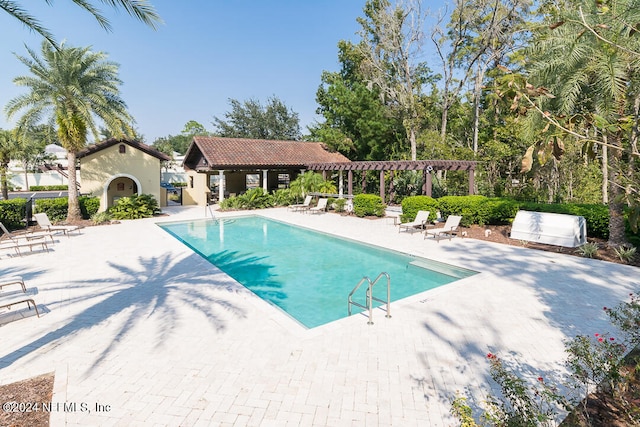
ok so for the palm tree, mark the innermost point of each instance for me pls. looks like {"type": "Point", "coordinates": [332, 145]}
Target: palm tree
{"type": "Point", "coordinates": [141, 9]}
{"type": "Point", "coordinates": [595, 83]}
{"type": "Point", "coordinates": [71, 87]}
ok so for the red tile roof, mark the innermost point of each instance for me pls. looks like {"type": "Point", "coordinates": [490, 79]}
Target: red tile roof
{"type": "Point", "coordinates": [259, 152]}
{"type": "Point", "coordinates": [113, 141]}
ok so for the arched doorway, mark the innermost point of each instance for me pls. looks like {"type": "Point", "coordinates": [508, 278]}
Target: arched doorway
{"type": "Point", "coordinates": [119, 186]}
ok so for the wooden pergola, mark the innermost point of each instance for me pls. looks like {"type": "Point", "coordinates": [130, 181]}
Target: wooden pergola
{"type": "Point", "coordinates": [426, 166]}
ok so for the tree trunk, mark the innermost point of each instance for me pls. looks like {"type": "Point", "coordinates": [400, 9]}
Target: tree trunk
{"type": "Point", "coordinates": [616, 206]}
{"type": "Point", "coordinates": [3, 180]}
{"type": "Point", "coordinates": [412, 141]}
{"type": "Point", "coordinates": [25, 166]}
{"type": "Point", "coordinates": [605, 172]}
{"type": "Point", "coordinates": [73, 213]}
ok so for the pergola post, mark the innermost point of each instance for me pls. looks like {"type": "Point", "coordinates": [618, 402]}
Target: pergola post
{"type": "Point", "coordinates": [324, 175]}
{"type": "Point", "coordinates": [427, 182]}
{"type": "Point", "coordinates": [392, 189]}
{"type": "Point", "coordinates": [382, 185]}
{"type": "Point", "coordinates": [471, 181]}
{"type": "Point", "coordinates": [340, 185]}
{"type": "Point", "coordinates": [364, 181]}
{"type": "Point", "coordinates": [350, 182]}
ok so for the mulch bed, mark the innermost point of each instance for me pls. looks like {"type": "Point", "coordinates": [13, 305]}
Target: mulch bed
{"type": "Point", "coordinates": [22, 402]}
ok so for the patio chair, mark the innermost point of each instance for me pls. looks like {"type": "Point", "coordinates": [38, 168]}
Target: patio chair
{"type": "Point", "coordinates": [17, 241]}
{"type": "Point", "coordinates": [420, 222]}
{"type": "Point", "coordinates": [13, 280]}
{"type": "Point", "coordinates": [449, 229]}
{"type": "Point", "coordinates": [8, 303]}
{"type": "Point", "coordinates": [45, 224]}
{"type": "Point", "coordinates": [320, 207]}
{"type": "Point", "coordinates": [302, 206]}
{"type": "Point", "coordinates": [20, 235]}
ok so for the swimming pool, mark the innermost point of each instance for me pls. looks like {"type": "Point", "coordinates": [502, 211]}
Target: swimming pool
{"type": "Point", "coordinates": [307, 274]}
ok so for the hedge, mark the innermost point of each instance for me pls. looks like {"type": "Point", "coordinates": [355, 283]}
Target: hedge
{"type": "Point", "coordinates": [48, 188]}
{"type": "Point", "coordinates": [368, 205]}
{"type": "Point", "coordinates": [13, 213]}
{"type": "Point", "coordinates": [57, 209]}
{"type": "Point", "coordinates": [412, 204]}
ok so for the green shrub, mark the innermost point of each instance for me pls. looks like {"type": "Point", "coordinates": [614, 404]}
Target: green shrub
{"type": "Point", "coordinates": [89, 205]}
{"type": "Point", "coordinates": [412, 204]}
{"type": "Point", "coordinates": [134, 207]}
{"type": "Point", "coordinates": [256, 198]}
{"type": "Point", "coordinates": [588, 250]}
{"type": "Point", "coordinates": [368, 205]}
{"type": "Point", "coordinates": [469, 207]}
{"type": "Point", "coordinates": [48, 187]}
{"type": "Point", "coordinates": [13, 212]}
{"type": "Point", "coordinates": [339, 204]}
{"type": "Point", "coordinates": [282, 197]}
{"type": "Point", "coordinates": [100, 217]}
{"type": "Point", "coordinates": [56, 209]}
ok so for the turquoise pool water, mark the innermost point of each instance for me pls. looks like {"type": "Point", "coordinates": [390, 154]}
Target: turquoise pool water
{"type": "Point", "coordinates": [305, 273]}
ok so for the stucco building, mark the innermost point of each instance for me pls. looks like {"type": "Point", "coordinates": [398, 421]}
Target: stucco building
{"type": "Point", "coordinates": [117, 168]}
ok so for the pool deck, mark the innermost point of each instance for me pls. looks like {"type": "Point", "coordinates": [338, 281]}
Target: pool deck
{"type": "Point", "coordinates": [139, 330]}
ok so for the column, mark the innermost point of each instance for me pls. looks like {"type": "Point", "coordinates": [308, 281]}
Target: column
{"type": "Point", "coordinates": [340, 185]}
{"type": "Point", "coordinates": [472, 184]}
{"type": "Point", "coordinates": [221, 185]}
{"type": "Point", "coordinates": [350, 182]}
{"type": "Point", "coordinates": [264, 180]}
{"type": "Point", "coordinates": [382, 185]}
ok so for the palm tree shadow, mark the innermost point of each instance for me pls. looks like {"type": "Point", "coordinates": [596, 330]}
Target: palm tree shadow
{"type": "Point", "coordinates": [161, 287]}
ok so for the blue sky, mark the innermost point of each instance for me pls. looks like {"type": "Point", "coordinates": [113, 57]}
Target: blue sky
{"type": "Point", "coordinates": [206, 52]}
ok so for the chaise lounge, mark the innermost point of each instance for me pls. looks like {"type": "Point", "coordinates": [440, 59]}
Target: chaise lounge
{"type": "Point", "coordinates": [420, 222]}
{"type": "Point", "coordinates": [449, 229]}
{"type": "Point", "coordinates": [45, 224]}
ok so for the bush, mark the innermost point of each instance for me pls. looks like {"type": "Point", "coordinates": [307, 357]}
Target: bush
{"type": "Point", "coordinates": [135, 207]}
{"type": "Point", "coordinates": [368, 205]}
{"type": "Point", "coordinates": [13, 212]}
{"type": "Point", "coordinates": [256, 198]}
{"type": "Point", "coordinates": [412, 204]}
{"type": "Point", "coordinates": [100, 217]}
{"type": "Point", "coordinates": [57, 209]}
{"type": "Point", "coordinates": [49, 188]}
{"type": "Point", "coordinates": [282, 197]}
{"type": "Point", "coordinates": [339, 205]}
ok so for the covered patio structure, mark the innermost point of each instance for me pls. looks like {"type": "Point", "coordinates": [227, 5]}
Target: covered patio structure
{"type": "Point", "coordinates": [426, 166]}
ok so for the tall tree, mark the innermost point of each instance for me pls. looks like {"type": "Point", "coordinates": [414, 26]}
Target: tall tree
{"type": "Point", "coordinates": [253, 120]}
{"type": "Point", "coordinates": [356, 123]}
{"type": "Point", "coordinates": [141, 9]}
{"type": "Point", "coordinates": [73, 88]}
{"type": "Point", "coordinates": [588, 56]}
{"type": "Point", "coordinates": [392, 40]}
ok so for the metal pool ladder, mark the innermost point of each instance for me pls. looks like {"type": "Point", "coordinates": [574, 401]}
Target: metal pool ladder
{"type": "Point", "coordinates": [370, 298]}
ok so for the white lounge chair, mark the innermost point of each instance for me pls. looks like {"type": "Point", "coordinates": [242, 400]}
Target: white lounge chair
{"type": "Point", "coordinates": [302, 206]}
{"type": "Point", "coordinates": [44, 223]}
{"type": "Point", "coordinates": [420, 222]}
{"type": "Point", "coordinates": [449, 228]}
{"type": "Point", "coordinates": [320, 207]}
{"type": "Point", "coordinates": [17, 241]}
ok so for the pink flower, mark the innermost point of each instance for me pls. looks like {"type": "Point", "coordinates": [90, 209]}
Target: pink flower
{"type": "Point", "coordinates": [605, 308]}
{"type": "Point", "coordinates": [491, 356]}
{"type": "Point", "coordinates": [600, 339]}
{"type": "Point", "coordinates": [597, 335]}
{"type": "Point", "coordinates": [612, 339]}
{"type": "Point", "coordinates": [540, 379]}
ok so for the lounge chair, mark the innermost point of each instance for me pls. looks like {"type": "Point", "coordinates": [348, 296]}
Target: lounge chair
{"type": "Point", "coordinates": [29, 235]}
{"type": "Point", "coordinates": [302, 206]}
{"type": "Point", "coordinates": [45, 224]}
{"type": "Point", "coordinates": [320, 207]}
{"type": "Point", "coordinates": [23, 240]}
{"type": "Point", "coordinates": [449, 228]}
{"type": "Point", "coordinates": [420, 222]}
{"type": "Point", "coordinates": [13, 280]}
{"type": "Point", "coordinates": [19, 300]}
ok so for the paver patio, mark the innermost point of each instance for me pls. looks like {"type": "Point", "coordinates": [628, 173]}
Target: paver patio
{"type": "Point", "coordinates": [139, 330]}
